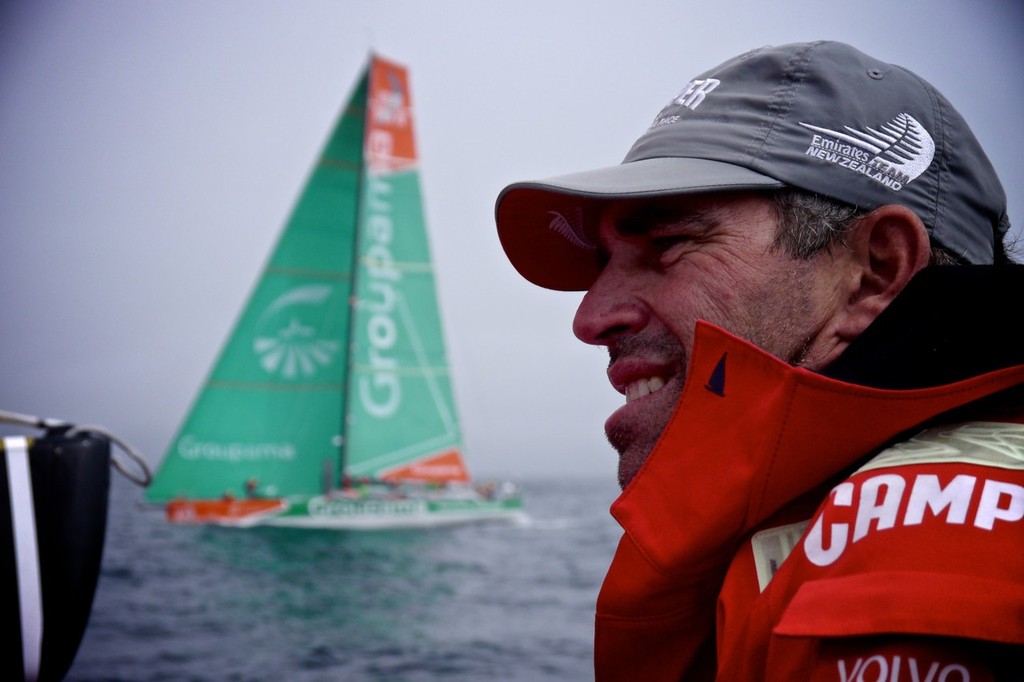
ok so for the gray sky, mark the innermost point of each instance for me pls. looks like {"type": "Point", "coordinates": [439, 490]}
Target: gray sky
{"type": "Point", "coordinates": [151, 151]}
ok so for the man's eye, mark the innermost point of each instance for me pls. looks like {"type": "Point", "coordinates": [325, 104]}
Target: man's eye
{"type": "Point", "coordinates": [670, 248]}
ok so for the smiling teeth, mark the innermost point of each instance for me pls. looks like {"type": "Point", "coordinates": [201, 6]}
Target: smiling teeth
{"type": "Point", "coordinates": [638, 389]}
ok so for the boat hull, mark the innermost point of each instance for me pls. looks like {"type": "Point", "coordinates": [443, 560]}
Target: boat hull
{"type": "Point", "coordinates": [225, 512]}
{"type": "Point", "coordinates": [341, 513]}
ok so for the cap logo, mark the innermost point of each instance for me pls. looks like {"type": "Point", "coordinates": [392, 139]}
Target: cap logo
{"type": "Point", "coordinates": [695, 92]}
{"type": "Point", "coordinates": [691, 97]}
{"type": "Point", "coordinates": [571, 228]}
{"type": "Point", "coordinates": [893, 156]}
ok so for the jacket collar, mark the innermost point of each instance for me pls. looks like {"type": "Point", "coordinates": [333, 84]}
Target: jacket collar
{"type": "Point", "coordinates": [751, 433]}
{"type": "Point", "coordinates": [948, 324]}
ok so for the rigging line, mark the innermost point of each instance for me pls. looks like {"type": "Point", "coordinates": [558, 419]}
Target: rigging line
{"type": "Point", "coordinates": [142, 479]}
{"type": "Point", "coordinates": [29, 420]}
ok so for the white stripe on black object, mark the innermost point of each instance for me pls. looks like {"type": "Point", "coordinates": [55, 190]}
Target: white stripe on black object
{"type": "Point", "coordinates": [26, 553]}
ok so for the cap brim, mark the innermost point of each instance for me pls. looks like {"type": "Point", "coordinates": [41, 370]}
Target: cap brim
{"type": "Point", "coordinates": [548, 227]}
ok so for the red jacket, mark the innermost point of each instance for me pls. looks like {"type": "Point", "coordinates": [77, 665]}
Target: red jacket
{"type": "Point", "coordinates": [754, 445]}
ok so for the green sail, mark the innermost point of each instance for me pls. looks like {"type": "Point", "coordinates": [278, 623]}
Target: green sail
{"type": "Point", "coordinates": [401, 410]}
{"type": "Point", "coordinates": [337, 364]}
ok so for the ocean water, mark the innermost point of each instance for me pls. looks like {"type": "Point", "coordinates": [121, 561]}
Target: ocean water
{"type": "Point", "coordinates": [475, 602]}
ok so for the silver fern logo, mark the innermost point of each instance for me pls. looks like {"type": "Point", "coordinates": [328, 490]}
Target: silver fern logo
{"type": "Point", "coordinates": [571, 227]}
{"type": "Point", "coordinates": [894, 154]}
{"type": "Point", "coordinates": [287, 343]}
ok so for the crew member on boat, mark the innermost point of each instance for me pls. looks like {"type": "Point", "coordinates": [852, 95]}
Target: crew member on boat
{"type": "Point", "coordinates": [800, 277]}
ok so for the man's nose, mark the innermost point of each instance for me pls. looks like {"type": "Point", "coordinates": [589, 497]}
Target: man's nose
{"type": "Point", "coordinates": [610, 307]}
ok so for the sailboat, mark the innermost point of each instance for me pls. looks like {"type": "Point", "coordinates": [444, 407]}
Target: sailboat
{"type": "Point", "coordinates": [331, 403]}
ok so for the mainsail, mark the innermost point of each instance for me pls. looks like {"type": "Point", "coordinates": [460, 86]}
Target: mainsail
{"type": "Point", "coordinates": [336, 369]}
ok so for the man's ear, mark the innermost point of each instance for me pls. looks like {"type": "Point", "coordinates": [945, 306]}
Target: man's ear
{"type": "Point", "coordinates": [887, 246]}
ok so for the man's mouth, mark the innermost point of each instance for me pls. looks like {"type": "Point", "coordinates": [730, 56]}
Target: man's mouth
{"type": "Point", "coordinates": [642, 387]}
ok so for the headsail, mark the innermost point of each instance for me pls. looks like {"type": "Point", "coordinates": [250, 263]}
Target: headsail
{"type": "Point", "coordinates": [401, 414]}
{"type": "Point", "coordinates": [338, 358]}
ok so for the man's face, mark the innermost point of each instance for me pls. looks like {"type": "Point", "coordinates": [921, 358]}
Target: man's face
{"type": "Point", "coordinates": [670, 262]}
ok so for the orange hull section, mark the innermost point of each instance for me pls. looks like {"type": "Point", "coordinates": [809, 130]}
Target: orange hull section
{"type": "Point", "coordinates": [224, 511]}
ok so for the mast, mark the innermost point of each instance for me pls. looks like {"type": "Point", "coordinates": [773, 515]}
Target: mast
{"type": "Point", "coordinates": [357, 241]}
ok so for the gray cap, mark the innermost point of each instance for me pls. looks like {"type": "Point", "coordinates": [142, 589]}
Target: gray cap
{"type": "Point", "coordinates": [823, 117]}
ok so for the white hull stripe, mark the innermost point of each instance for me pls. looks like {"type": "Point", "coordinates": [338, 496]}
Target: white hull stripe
{"type": "Point", "coordinates": [26, 553]}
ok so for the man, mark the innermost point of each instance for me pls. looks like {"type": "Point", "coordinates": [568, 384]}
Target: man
{"type": "Point", "coordinates": [798, 272]}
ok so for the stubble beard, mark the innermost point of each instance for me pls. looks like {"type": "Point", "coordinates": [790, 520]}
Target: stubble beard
{"type": "Point", "coordinates": [633, 449]}
{"type": "Point", "coordinates": [634, 439]}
